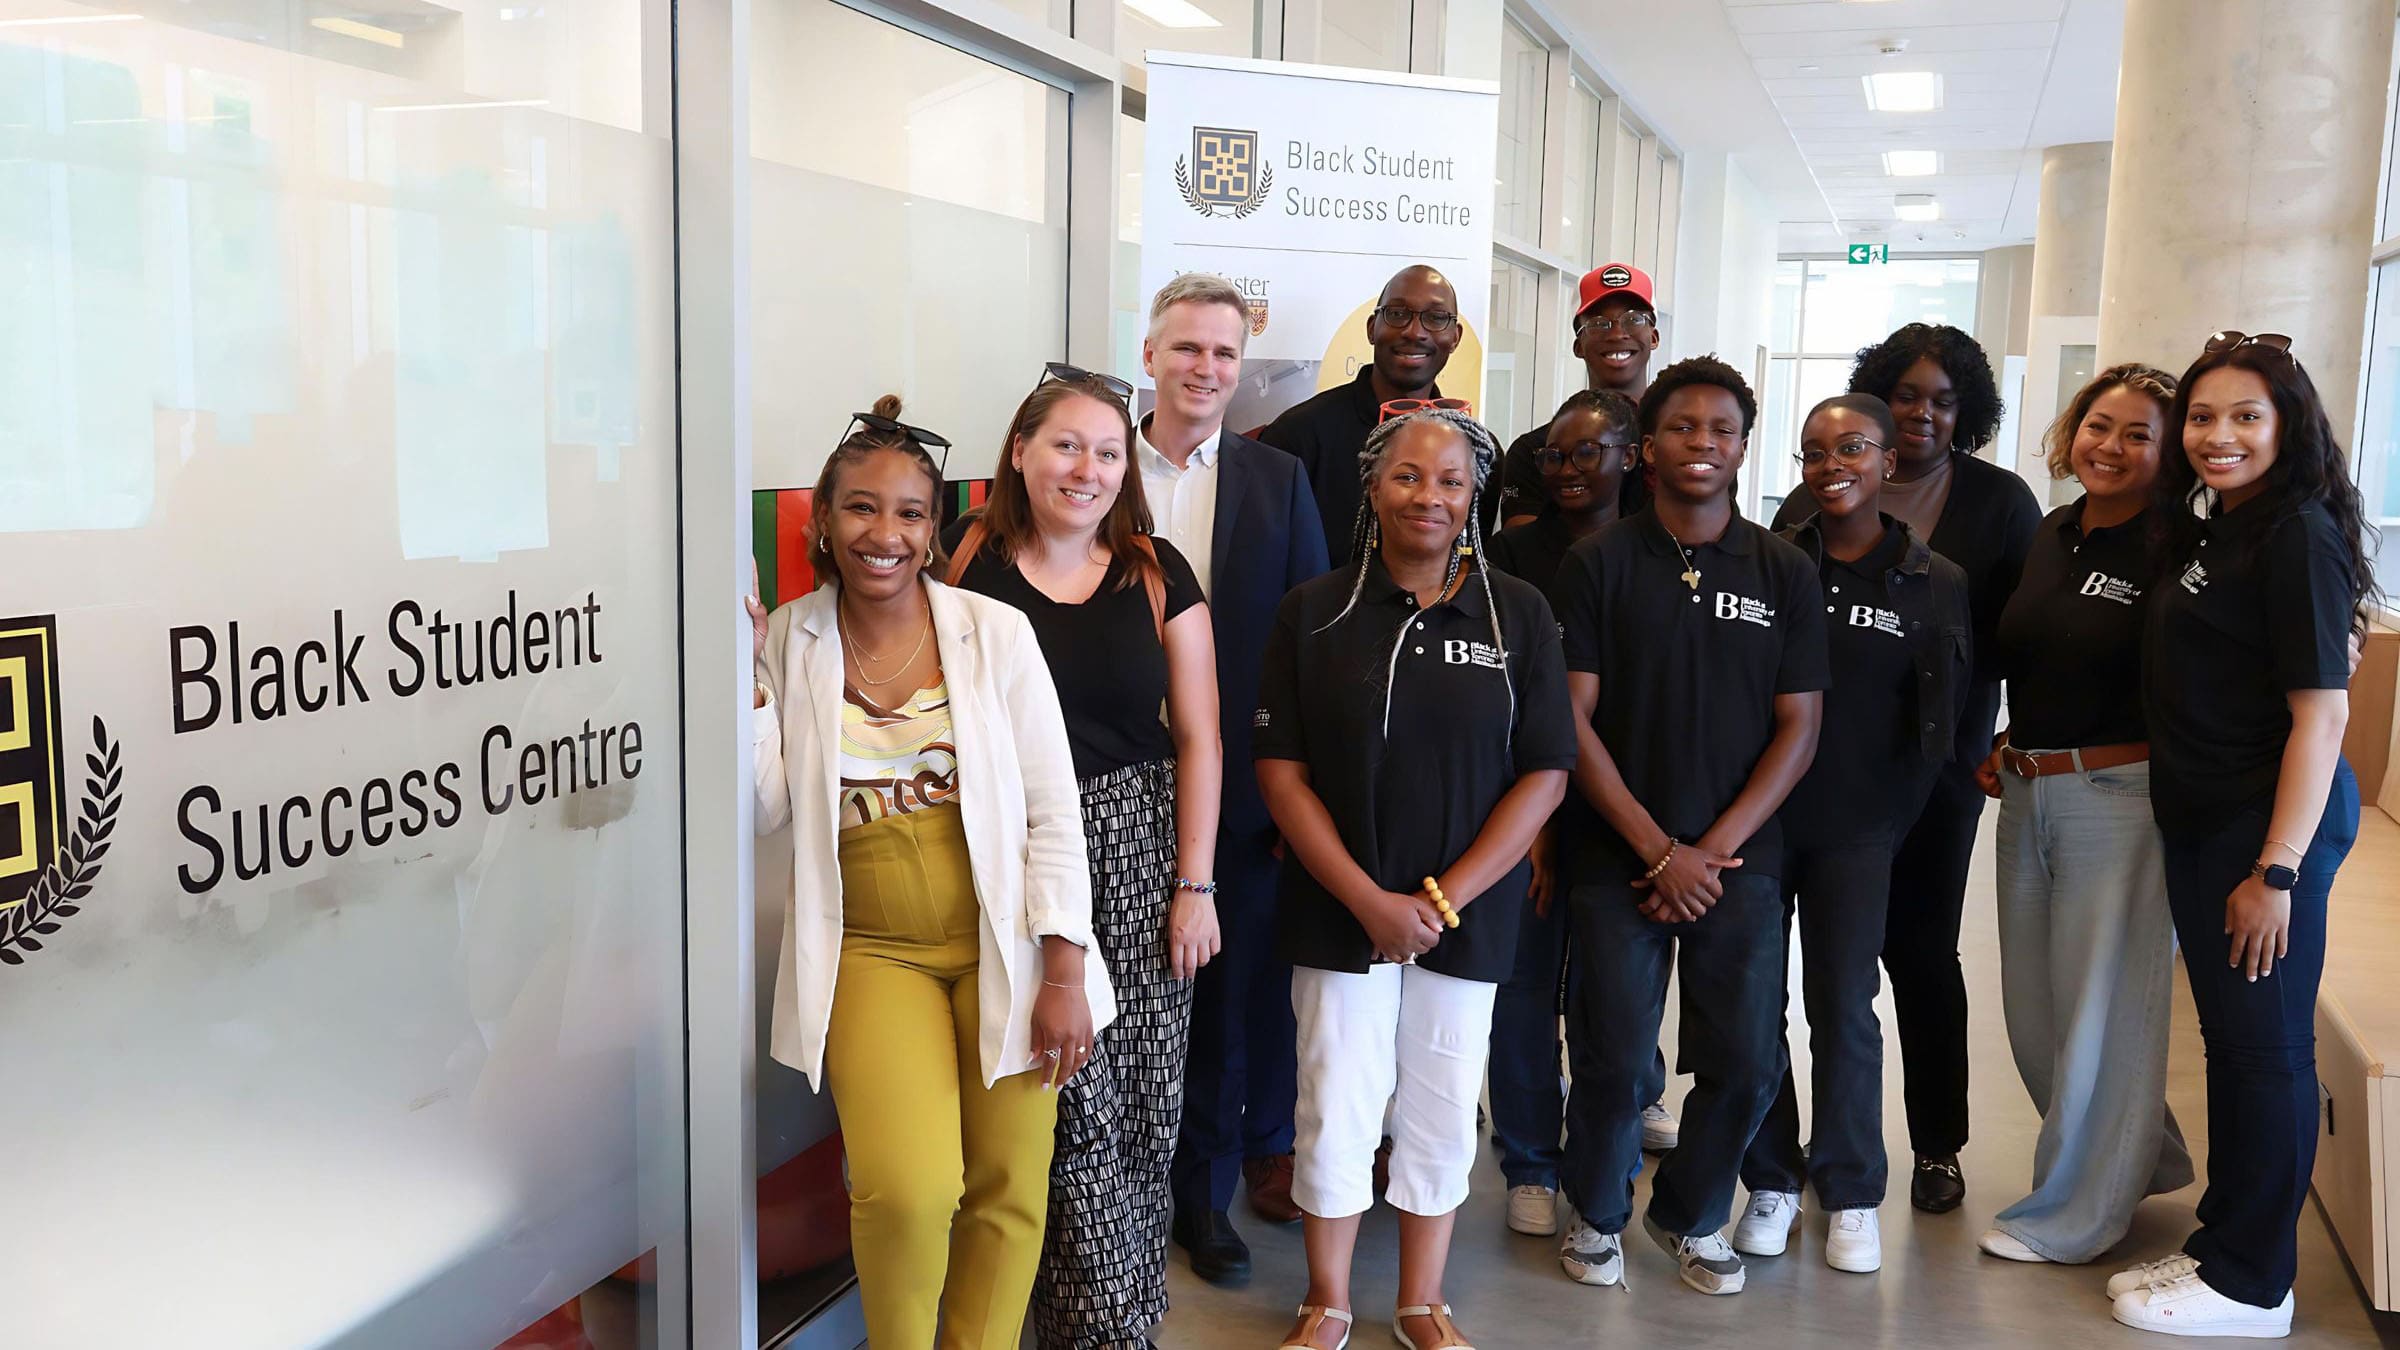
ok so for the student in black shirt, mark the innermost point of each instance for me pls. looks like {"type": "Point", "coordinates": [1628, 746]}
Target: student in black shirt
{"type": "Point", "coordinates": [1616, 334]}
{"type": "Point", "coordinates": [1695, 645]}
{"type": "Point", "coordinates": [1413, 328]}
{"type": "Point", "coordinates": [1946, 406]}
{"type": "Point", "coordinates": [1897, 631]}
{"type": "Point", "coordinates": [1066, 538]}
{"type": "Point", "coordinates": [1412, 734]}
{"type": "Point", "coordinates": [1593, 440]}
{"type": "Point", "coordinates": [2245, 691]}
{"type": "Point", "coordinates": [2086, 943]}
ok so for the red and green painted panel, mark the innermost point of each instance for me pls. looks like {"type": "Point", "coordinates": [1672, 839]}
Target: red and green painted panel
{"type": "Point", "coordinates": [779, 535]}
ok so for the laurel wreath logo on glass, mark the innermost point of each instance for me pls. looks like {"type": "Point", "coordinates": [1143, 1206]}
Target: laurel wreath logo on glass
{"type": "Point", "coordinates": [1226, 180]}
{"type": "Point", "coordinates": [47, 864]}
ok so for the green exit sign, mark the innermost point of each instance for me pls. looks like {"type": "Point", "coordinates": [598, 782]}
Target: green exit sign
{"type": "Point", "coordinates": [1870, 253]}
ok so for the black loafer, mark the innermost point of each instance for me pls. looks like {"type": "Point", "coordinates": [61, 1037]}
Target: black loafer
{"type": "Point", "coordinates": [1938, 1186]}
{"type": "Point", "coordinates": [1218, 1253]}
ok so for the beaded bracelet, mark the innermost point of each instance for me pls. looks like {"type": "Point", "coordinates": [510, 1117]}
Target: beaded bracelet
{"type": "Point", "coordinates": [1661, 865]}
{"type": "Point", "coordinates": [1195, 887]}
{"type": "Point", "coordinates": [1441, 902]}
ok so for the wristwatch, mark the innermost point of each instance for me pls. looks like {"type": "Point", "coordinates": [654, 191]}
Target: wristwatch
{"type": "Point", "coordinates": [2277, 876]}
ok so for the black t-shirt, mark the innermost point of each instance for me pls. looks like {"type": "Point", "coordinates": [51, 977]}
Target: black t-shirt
{"type": "Point", "coordinates": [2071, 637]}
{"type": "Point", "coordinates": [1531, 552]}
{"type": "Point", "coordinates": [2257, 605]}
{"type": "Point", "coordinates": [1521, 490]}
{"type": "Point", "coordinates": [1462, 732]}
{"type": "Point", "coordinates": [1104, 655]}
{"type": "Point", "coordinates": [1870, 775]}
{"type": "Point", "coordinates": [1325, 433]}
{"type": "Point", "coordinates": [1688, 675]}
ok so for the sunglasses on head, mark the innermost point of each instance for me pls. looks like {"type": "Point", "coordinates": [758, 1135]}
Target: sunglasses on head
{"type": "Point", "coordinates": [2233, 337]}
{"type": "Point", "coordinates": [934, 444]}
{"type": "Point", "coordinates": [1077, 375]}
{"type": "Point", "coordinates": [1402, 407]}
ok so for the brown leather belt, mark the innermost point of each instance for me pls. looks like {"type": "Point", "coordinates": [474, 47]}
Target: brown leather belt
{"type": "Point", "coordinates": [2028, 765]}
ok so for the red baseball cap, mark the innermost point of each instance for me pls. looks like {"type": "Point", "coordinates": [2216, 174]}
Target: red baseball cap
{"type": "Point", "coordinates": [1615, 279]}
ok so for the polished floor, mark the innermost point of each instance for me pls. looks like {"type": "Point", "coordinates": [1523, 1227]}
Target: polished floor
{"type": "Point", "coordinates": [1935, 1290]}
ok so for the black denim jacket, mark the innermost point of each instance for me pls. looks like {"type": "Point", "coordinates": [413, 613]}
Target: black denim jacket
{"type": "Point", "coordinates": [1930, 593]}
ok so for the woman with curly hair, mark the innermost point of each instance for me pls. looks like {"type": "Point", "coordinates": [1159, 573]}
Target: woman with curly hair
{"type": "Point", "coordinates": [1945, 406]}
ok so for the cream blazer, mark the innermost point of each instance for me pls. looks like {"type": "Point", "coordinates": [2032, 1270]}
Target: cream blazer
{"type": "Point", "coordinates": [1016, 791]}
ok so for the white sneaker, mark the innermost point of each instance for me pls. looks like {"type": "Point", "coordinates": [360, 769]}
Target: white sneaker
{"type": "Point", "coordinates": [1854, 1242]}
{"type": "Point", "coordinates": [1659, 1130]}
{"type": "Point", "coordinates": [1705, 1260]}
{"type": "Point", "coordinates": [1766, 1226]}
{"type": "Point", "coordinates": [2188, 1307]}
{"type": "Point", "coordinates": [1533, 1210]}
{"type": "Point", "coordinates": [1590, 1256]}
{"type": "Point", "coordinates": [2008, 1248]}
{"type": "Point", "coordinates": [2148, 1273]}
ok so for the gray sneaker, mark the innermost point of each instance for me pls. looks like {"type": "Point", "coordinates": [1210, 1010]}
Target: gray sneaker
{"type": "Point", "coordinates": [1706, 1260]}
{"type": "Point", "coordinates": [1592, 1257]}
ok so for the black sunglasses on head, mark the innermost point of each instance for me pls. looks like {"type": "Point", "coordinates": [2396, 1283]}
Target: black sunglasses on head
{"type": "Point", "coordinates": [1077, 375]}
{"type": "Point", "coordinates": [2233, 337]}
{"type": "Point", "coordinates": [934, 444]}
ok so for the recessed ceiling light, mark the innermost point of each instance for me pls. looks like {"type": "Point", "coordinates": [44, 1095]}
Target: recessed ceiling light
{"type": "Point", "coordinates": [364, 32]}
{"type": "Point", "coordinates": [1174, 13]}
{"type": "Point", "coordinates": [1809, 67]}
{"type": "Point", "coordinates": [1916, 207]}
{"type": "Point", "coordinates": [1896, 90]}
{"type": "Point", "coordinates": [1912, 163]}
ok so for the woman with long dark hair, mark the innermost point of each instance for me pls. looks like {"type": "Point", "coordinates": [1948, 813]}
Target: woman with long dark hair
{"type": "Point", "coordinates": [1413, 731]}
{"type": "Point", "coordinates": [1945, 406]}
{"type": "Point", "coordinates": [2246, 674]}
{"type": "Point", "coordinates": [2086, 942]}
{"type": "Point", "coordinates": [1066, 539]}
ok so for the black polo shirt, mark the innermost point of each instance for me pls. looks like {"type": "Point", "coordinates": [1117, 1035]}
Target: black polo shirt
{"type": "Point", "coordinates": [2257, 604]}
{"type": "Point", "coordinates": [1688, 677]}
{"type": "Point", "coordinates": [2071, 637]}
{"type": "Point", "coordinates": [1521, 488]}
{"type": "Point", "coordinates": [1325, 433]}
{"type": "Point", "coordinates": [1531, 552]}
{"type": "Point", "coordinates": [1870, 775]}
{"type": "Point", "coordinates": [1409, 804]}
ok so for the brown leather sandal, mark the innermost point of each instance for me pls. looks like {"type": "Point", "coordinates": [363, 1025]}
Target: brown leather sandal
{"type": "Point", "coordinates": [1313, 1317]}
{"type": "Point", "coordinates": [1443, 1327]}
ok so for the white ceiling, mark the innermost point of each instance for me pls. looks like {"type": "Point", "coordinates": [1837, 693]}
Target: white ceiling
{"type": "Point", "coordinates": [2018, 76]}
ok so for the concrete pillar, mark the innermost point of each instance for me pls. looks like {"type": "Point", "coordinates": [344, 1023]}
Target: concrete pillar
{"type": "Point", "coordinates": [2242, 194]}
{"type": "Point", "coordinates": [2003, 302]}
{"type": "Point", "coordinates": [2071, 235]}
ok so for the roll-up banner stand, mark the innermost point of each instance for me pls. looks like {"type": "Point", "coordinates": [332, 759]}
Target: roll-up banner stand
{"type": "Point", "coordinates": [1308, 187]}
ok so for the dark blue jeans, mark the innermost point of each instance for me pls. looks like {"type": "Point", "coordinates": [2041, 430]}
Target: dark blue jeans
{"type": "Point", "coordinates": [1241, 1079]}
{"type": "Point", "coordinates": [1730, 963]}
{"type": "Point", "coordinates": [2262, 1047]}
{"type": "Point", "coordinates": [1840, 892]}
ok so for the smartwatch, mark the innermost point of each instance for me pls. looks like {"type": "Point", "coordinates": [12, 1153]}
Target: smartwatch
{"type": "Point", "coordinates": [2277, 876]}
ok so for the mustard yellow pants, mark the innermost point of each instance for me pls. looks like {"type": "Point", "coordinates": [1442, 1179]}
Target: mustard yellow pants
{"type": "Point", "coordinates": [949, 1180]}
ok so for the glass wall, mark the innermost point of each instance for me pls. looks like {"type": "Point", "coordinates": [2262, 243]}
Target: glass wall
{"type": "Point", "coordinates": [1524, 79]}
{"type": "Point", "coordinates": [2376, 452]}
{"type": "Point", "coordinates": [341, 923]}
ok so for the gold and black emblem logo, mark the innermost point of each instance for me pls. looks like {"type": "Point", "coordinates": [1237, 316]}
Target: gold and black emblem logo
{"type": "Point", "coordinates": [1226, 178]}
{"type": "Point", "coordinates": [49, 856]}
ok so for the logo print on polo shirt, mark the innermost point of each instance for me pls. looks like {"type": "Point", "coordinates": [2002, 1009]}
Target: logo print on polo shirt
{"type": "Point", "coordinates": [1881, 620]}
{"type": "Point", "coordinates": [1744, 609]}
{"type": "Point", "coordinates": [1460, 652]}
{"type": "Point", "coordinates": [1260, 718]}
{"type": "Point", "coordinates": [1226, 179]}
{"type": "Point", "coordinates": [2106, 587]}
{"type": "Point", "coordinates": [2195, 578]}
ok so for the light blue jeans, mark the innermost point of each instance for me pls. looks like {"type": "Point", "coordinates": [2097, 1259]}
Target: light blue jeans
{"type": "Point", "coordinates": [2087, 949]}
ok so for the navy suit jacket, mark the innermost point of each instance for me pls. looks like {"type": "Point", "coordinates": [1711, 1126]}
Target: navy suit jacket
{"type": "Point", "coordinates": [1267, 540]}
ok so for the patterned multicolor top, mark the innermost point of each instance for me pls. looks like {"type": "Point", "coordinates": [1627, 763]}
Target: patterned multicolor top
{"type": "Point", "coordinates": [898, 760]}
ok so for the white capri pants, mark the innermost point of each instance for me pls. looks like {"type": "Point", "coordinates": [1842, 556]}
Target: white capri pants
{"type": "Point", "coordinates": [1397, 1035]}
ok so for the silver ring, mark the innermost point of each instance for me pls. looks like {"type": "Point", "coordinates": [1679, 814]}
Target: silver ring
{"type": "Point", "coordinates": [1052, 1052]}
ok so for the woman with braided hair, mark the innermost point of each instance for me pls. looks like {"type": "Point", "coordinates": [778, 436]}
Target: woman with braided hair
{"type": "Point", "coordinates": [1412, 734]}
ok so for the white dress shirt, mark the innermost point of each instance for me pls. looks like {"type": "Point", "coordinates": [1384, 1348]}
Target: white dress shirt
{"type": "Point", "coordinates": [1183, 501]}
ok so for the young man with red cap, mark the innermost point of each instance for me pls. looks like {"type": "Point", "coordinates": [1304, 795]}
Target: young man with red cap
{"type": "Point", "coordinates": [1616, 330]}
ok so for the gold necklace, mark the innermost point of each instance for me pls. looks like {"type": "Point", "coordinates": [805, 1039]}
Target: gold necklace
{"type": "Point", "coordinates": [862, 657]}
{"type": "Point", "coordinates": [1691, 570]}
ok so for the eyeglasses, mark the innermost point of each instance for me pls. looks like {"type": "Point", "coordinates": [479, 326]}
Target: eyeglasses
{"type": "Point", "coordinates": [2233, 337]}
{"type": "Point", "coordinates": [1585, 457]}
{"type": "Point", "coordinates": [1848, 452]}
{"type": "Point", "coordinates": [1402, 407]}
{"type": "Point", "coordinates": [1634, 321]}
{"type": "Point", "coordinates": [1400, 316]}
{"type": "Point", "coordinates": [1066, 374]}
{"type": "Point", "coordinates": [934, 444]}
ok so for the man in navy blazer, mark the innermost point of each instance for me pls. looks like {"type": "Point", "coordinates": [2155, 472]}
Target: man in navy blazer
{"type": "Point", "coordinates": [1244, 515]}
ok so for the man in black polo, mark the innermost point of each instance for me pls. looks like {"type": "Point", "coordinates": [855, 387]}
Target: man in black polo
{"type": "Point", "coordinates": [1696, 658]}
{"type": "Point", "coordinates": [1616, 332]}
{"type": "Point", "coordinates": [1413, 328]}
